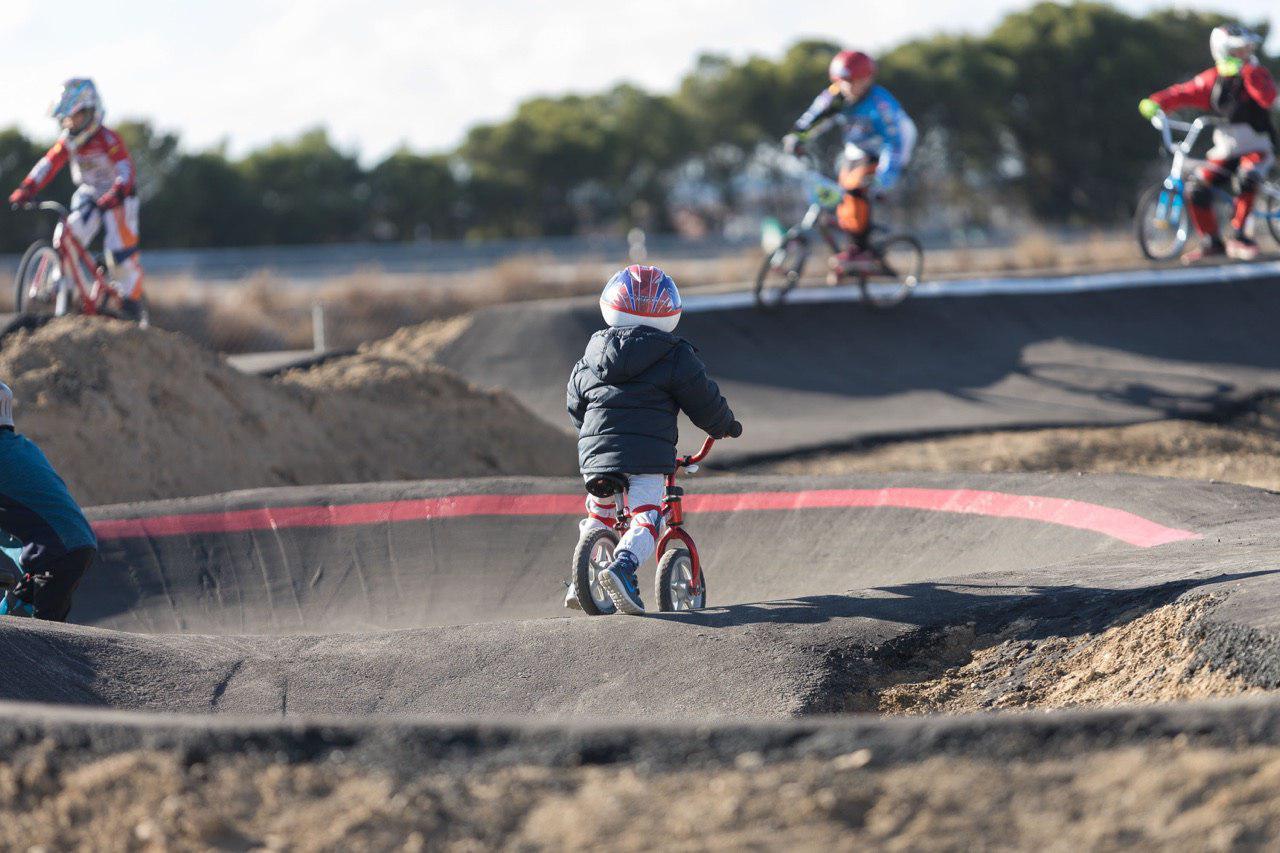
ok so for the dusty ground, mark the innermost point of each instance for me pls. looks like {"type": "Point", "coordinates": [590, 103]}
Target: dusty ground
{"type": "Point", "coordinates": [1147, 658]}
{"type": "Point", "coordinates": [1159, 796]}
{"type": "Point", "coordinates": [128, 414]}
{"type": "Point", "coordinates": [1244, 449]}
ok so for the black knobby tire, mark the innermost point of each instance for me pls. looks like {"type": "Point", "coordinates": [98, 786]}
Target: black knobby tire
{"type": "Point", "coordinates": [901, 260]}
{"type": "Point", "coordinates": [676, 566]}
{"type": "Point", "coordinates": [1273, 217]}
{"type": "Point", "coordinates": [40, 250]}
{"type": "Point", "coordinates": [1148, 226]}
{"type": "Point", "coordinates": [779, 274]}
{"type": "Point", "coordinates": [588, 559]}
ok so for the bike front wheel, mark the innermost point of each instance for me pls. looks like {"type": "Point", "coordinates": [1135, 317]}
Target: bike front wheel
{"type": "Point", "coordinates": [38, 285]}
{"type": "Point", "coordinates": [780, 272]}
{"type": "Point", "coordinates": [675, 589]}
{"type": "Point", "coordinates": [1162, 224]}
{"type": "Point", "coordinates": [900, 268]}
{"type": "Point", "coordinates": [592, 556]}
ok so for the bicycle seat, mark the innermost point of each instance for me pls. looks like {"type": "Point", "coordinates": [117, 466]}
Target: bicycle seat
{"type": "Point", "coordinates": [606, 485]}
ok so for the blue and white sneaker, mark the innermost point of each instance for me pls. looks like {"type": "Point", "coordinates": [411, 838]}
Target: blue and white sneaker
{"type": "Point", "coordinates": [11, 605]}
{"type": "Point", "coordinates": [619, 580]}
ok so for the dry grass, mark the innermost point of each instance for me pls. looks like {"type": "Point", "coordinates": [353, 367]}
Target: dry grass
{"type": "Point", "coordinates": [1245, 450]}
{"type": "Point", "coordinates": [271, 310]}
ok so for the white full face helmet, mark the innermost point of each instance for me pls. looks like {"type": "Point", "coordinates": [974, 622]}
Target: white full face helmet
{"type": "Point", "coordinates": [1232, 46]}
{"type": "Point", "coordinates": [78, 110]}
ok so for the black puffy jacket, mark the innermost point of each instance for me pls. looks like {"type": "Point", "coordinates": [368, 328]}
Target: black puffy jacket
{"type": "Point", "coordinates": [625, 392]}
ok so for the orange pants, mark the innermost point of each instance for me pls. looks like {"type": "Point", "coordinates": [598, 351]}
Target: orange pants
{"type": "Point", "coordinates": [854, 213]}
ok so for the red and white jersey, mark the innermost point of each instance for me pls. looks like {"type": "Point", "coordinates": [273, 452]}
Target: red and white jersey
{"type": "Point", "coordinates": [100, 163]}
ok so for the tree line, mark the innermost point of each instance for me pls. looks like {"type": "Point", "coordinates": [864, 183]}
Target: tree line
{"type": "Point", "coordinates": [1039, 115]}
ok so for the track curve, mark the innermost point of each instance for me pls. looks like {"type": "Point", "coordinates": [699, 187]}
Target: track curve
{"type": "Point", "coordinates": [829, 374]}
{"type": "Point", "coordinates": [443, 597]}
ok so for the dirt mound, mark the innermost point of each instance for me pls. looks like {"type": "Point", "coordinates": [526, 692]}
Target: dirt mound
{"type": "Point", "coordinates": [129, 414]}
{"type": "Point", "coordinates": [1160, 796]}
{"type": "Point", "coordinates": [1153, 657]}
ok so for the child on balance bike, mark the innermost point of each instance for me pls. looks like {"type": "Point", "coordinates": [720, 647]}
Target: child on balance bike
{"type": "Point", "coordinates": [624, 395]}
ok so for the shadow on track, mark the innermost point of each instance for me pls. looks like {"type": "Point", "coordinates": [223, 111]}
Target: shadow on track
{"type": "Point", "coordinates": [1054, 609]}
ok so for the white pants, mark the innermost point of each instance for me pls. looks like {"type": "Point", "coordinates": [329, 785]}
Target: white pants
{"type": "Point", "coordinates": [645, 494]}
{"type": "Point", "coordinates": [120, 237]}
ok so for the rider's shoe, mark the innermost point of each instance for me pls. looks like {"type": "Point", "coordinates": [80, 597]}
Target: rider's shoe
{"type": "Point", "coordinates": [619, 581]}
{"type": "Point", "coordinates": [12, 605]}
{"type": "Point", "coordinates": [131, 310]}
{"type": "Point", "coordinates": [1242, 248]}
{"type": "Point", "coordinates": [1206, 251]}
{"type": "Point", "coordinates": [571, 598]}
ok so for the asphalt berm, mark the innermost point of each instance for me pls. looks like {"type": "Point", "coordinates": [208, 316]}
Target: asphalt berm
{"type": "Point", "coordinates": [392, 656]}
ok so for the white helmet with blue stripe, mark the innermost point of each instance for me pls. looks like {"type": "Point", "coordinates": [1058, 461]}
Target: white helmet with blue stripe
{"type": "Point", "coordinates": [77, 97]}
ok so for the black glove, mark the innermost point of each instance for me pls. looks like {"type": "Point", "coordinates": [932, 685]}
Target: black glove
{"type": "Point", "coordinates": [735, 430]}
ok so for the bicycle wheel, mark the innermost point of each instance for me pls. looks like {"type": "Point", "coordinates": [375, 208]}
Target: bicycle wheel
{"type": "Point", "coordinates": [36, 286]}
{"type": "Point", "coordinates": [1162, 224]}
{"type": "Point", "coordinates": [780, 273]}
{"type": "Point", "coordinates": [901, 265]}
{"type": "Point", "coordinates": [1272, 209]}
{"type": "Point", "coordinates": [592, 556]}
{"type": "Point", "coordinates": [675, 583]}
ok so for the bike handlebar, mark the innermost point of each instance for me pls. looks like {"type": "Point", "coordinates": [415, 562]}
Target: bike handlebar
{"type": "Point", "coordinates": [1161, 122]}
{"type": "Point", "coordinates": [699, 456]}
{"type": "Point", "coordinates": [54, 206]}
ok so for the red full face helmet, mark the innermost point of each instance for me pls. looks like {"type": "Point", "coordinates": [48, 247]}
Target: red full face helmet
{"type": "Point", "coordinates": [851, 65]}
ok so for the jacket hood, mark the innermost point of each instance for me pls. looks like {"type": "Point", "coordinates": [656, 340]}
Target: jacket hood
{"type": "Point", "coordinates": [619, 354]}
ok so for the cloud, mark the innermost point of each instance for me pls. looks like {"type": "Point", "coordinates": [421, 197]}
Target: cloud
{"type": "Point", "coordinates": [381, 72]}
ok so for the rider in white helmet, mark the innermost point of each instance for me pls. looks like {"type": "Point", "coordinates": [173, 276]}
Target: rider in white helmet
{"type": "Point", "coordinates": [1241, 91]}
{"type": "Point", "coordinates": [105, 178]}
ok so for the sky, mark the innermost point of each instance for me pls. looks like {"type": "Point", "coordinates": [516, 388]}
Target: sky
{"type": "Point", "coordinates": [384, 73]}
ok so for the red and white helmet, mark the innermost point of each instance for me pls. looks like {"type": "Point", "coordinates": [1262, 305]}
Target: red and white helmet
{"type": "Point", "coordinates": [641, 296]}
{"type": "Point", "coordinates": [851, 65]}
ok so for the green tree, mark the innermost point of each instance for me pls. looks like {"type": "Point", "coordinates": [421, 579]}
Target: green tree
{"type": "Point", "coordinates": [309, 191]}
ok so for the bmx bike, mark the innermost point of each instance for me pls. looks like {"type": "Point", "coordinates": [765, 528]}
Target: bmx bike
{"type": "Point", "coordinates": [10, 553]}
{"type": "Point", "coordinates": [1162, 223]}
{"type": "Point", "coordinates": [680, 582]}
{"type": "Point", "coordinates": [60, 277]}
{"type": "Point", "coordinates": [897, 259]}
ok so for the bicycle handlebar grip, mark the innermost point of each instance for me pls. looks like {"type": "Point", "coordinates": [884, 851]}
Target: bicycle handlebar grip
{"type": "Point", "coordinates": [735, 430]}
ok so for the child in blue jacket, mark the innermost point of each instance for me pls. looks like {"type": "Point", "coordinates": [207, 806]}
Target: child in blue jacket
{"type": "Point", "coordinates": [38, 512]}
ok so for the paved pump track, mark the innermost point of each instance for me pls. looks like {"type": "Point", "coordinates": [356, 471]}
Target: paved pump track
{"type": "Point", "coordinates": [830, 374]}
{"type": "Point", "coordinates": [402, 619]}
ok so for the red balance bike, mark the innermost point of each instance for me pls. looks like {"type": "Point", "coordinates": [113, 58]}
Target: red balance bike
{"type": "Point", "coordinates": [60, 277]}
{"type": "Point", "coordinates": [680, 582]}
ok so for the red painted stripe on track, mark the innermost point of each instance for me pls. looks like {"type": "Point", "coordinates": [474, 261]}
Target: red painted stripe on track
{"type": "Point", "coordinates": [1108, 521]}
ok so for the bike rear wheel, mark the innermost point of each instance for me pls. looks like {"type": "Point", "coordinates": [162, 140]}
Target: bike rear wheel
{"type": "Point", "coordinates": [675, 583]}
{"type": "Point", "coordinates": [1162, 224]}
{"type": "Point", "coordinates": [1273, 217]}
{"type": "Point", "coordinates": [780, 272]}
{"type": "Point", "coordinates": [592, 556]}
{"type": "Point", "coordinates": [37, 288]}
{"type": "Point", "coordinates": [901, 266]}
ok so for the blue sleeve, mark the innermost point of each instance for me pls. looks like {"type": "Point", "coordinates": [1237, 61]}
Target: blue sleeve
{"type": "Point", "coordinates": [823, 107]}
{"type": "Point", "coordinates": [892, 126]}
